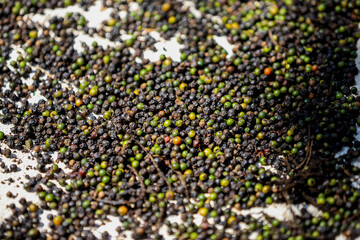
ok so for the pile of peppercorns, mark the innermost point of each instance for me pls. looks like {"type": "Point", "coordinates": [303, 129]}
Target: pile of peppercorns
{"type": "Point", "coordinates": [211, 136]}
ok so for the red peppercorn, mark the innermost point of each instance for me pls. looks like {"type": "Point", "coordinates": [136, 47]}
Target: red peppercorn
{"type": "Point", "coordinates": [267, 71]}
{"type": "Point", "coordinates": [82, 171]}
{"type": "Point", "coordinates": [315, 67]}
{"type": "Point", "coordinates": [196, 143]}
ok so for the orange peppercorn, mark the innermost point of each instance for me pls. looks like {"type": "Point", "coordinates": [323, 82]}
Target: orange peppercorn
{"type": "Point", "coordinates": [167, 139]}
{"type": "Point", "coordinates": [78, 102]}
{"type": "Point", "coordinates": [267, 71]}
{"type": "Point", "coordinates": [314, 67]}
{"type": "Point", "coordinates": [122, 210]}
{"type": "Point", "coordinates": [161, 113]}
{"type": "Point", "coordinates": [311, 95]}
{"type": "Point", "coordinates": [177, 140]}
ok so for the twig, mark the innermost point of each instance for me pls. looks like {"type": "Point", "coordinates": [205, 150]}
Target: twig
{"type": "Point", "coordinates": [44, 72]}
{"type": "Point", "coordinates": [288, 167]}
{"type": "Point", "coordinates": [332, 77]}
{"type": "Point", "coordinates": [182, 180]}
{"type": "Point", "coordinates": [158, 222]}
{"type": "Point", "coordinates": [272, 38]}
{"type": "Point", "coordinates": [148, 155]}
{"type": "Point", "coordinates": [309, 199]}
{"type": "Point", "coordinates": [119, 202]}
{"type": "Point", "coordinates": [269, 219]}
{"type": "Point", "coordinates": [307, 159]}
{"type": "Point", "coordinates": [308, 153]}
{"type": "Point", "coordinates": [142, 184]}
{"type": "Point", "coordinates": [288, 203]}
{"type": "Point", "coordinates": [347, 172]}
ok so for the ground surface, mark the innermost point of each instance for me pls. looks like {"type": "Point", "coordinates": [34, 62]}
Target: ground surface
{"type": "Point", "coordinates": [13, 182]}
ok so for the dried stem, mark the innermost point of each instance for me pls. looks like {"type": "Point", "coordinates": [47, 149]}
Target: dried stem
{"type": "Point", "coordinates": [182, 180]}
{"type": "Point", "coordinates": [148, 155]}
{"type": "Point", "coordinates": [140, 197]}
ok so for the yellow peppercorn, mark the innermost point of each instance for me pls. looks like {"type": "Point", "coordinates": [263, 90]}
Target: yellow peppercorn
{"type": "Point", "coordinates": [57, 220]}
{"type": "Point", "coordinates": [207, 152]}
{"type": "Point", "coordinates": [167, 62]}
{"type": "Point", "coordinates": [166, 7]}
{"type": "Point", "coordinates": [187, 172]}
{"type": "Point", "coordinates": [172, 19]}
{"type": "Point", "coordinates": [183, 86]}
{"type": "Point", "coordinates": [33, 207]}
{"type": "Point", "coordinates": [203, 211]}
{"type": "Point", "coordinates": [231, 219]}
{"type": "Point", "coordinates": [170, 195]}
